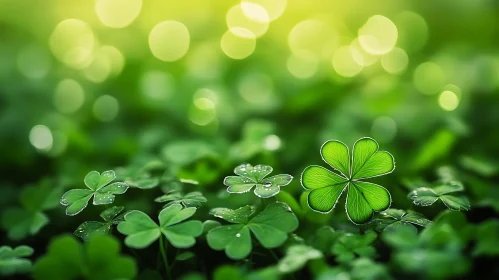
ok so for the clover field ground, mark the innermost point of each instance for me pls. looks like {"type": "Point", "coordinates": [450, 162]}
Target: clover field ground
{"type": "Point", "coordinates": [253, 139]}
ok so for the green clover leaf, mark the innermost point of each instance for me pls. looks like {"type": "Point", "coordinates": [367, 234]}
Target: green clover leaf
{"type": "Point", "coordinates": [141, 174]}
{"type": "Point", "coordinates": [251, 176]}
{"type": "Point", "coordinates": [349, 246]}
{"type": "Point", "coordinates": [141, 230]}
{"type": "Point", "coordinates": [391, 218]}
{"type": "Point", "coordinates": [364, 162]}
{"type": "Point", "coordinates": [270, 227]}
{"type": "Point", "coordinates": [100, 258]}
{"type": "Point", "coordinates": [30, 219]}
{"type": "Point", "coordinates": [450, 193]}
{"type": "Point", "coordinates": [192, 199]}
{"type": "Point", "coordinates": [111, 216]}
{"type": "Point", "coordinates": [98, 186]}
{"type": "Point", "coordinates": [12, 261]}
{"type": "Point", "coordinates": [296, 257]}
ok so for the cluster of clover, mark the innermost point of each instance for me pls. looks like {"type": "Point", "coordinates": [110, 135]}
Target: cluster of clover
{"type": "Point", "coordinates": [269, 222]}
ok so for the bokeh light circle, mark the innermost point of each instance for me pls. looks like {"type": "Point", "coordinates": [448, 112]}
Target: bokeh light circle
{"type": "Point", "coordinates": [238, 43]}
{"type": "Point", "coordinates": [428, 78]}
{"type": "Point", "coordinates": [73, 42]}
{"type": "Point", "coordinates": [106, 108]}
{"type": "Point", "coordinates": [169, 40]}
{"type": "Point", "coordinates": [302, 65]}
{"type": "Point", "coordinates": [255, 20]}
{"type": "Point", "coordinates": [384, 129]}
{"type": "Point", "coordinates": [68, 96]}
{"type": "Point", "coordinates": [41, 137]}
{"type": "Point", "coordinates": [344, 64]}
{"type": "Point", "coordinates": [157, 85]}
{"type": "Point", "coordinates": [378, 35]}
{"type": "Point", "coordinates": [33, 62]}
{"type": "Point", "coordinates": [448, 100]}
{"type": "Point", "coordinates": [395, 61]}
{"type": "Point", "coordinates": [274, 8]}
{"type": "Point", "coordinates": [117, 13]}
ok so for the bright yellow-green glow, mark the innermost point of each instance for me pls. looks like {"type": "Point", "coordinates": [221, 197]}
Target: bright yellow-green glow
{"type": "Point", "coordinates": [68, 96]}
{"type": "Point", "coordinates": [395, 61]}
{"type": "Point", "coordinates": [99, 69]}
{"type": "Point", "coordinates": [238, 43]}
{"type": "Point", "coordinates": [302, 65]}
{"type": "Point", "coordinates": [344, 63]}
{"type": "Point", "coordinates": [378, 35]}
{"type": "Point", "coordinates": [360, 55]}
{"type": "Point", "coordinates": [429, 78]}
{"type": "Point", "coordinates": [157, 85]}
{"type": "Point", "coordinates": [33, 62]}
{"type": "Point", "coordinates": [312, 36]}
{"type": "Point", "coordinates": [256, 88]}
{"type": "Point", "coordinates": [255, 20]}
{"type": "Point", "coordinates": [117, 13]}
{"type": "Point", "coordinates": [115, 58]}
{"type": "Point", "coordinates": [169, 40]}
{"type": "Point", "coordinates": [384, 129]}
{"type": "Point", "coordinates": [41, 138]}
{"type": "Point", "coordinates": [72, 42]}
{"type": "Point", "coordinates": [207, 94]}
{"type": "Point", "coordinates": [274, 8]}
{"type": "Point", "coordinates": [448, 100]}
{"type": "Point", "coordinates": [106, 108]}
{"type": "Point", "coordinates": [455, 89]}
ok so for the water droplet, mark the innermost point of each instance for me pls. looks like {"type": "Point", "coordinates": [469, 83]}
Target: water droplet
{"type": "Point", "coordinates": [267, 184]}
{"type": "Point", "coordinates": [238, 235]}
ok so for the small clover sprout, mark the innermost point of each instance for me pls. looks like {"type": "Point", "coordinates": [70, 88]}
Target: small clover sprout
{"type": "Point", "coordinates": [192, 199]}
{"type": "Point", "coordinates": [270, 227]}
{"type": "Point", "coordinates": [12, 261]}
{"type": "Point", "coordinates": [450, 193]}
{"type": "Point", "coordinates": [251, 176]}
{"type": "Point", "coordinates": [141, 230]}
{"type": "Point", "coordinates": [98, 186]}
{"type": "Point", "coordinates": [392, 218]}
{"type": "Point", "coordinates": [364, 162]}
{"type": "Point", "coordinates": [111, 216]}
{"type": "Point", "coordinates": [98, 259]}
{"type": "Point", "coordinates": [349, 246]}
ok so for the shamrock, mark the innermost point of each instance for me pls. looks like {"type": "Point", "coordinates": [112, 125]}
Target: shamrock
{"type": "Point", "coordinates": [141, 173]}
{"type": "Point", "coordinates": [349, 246]}
{"type": "Point", "coordinates": [250, 176]}
{"type": "Point", "coordinates": [395, 218]}
{"type": "Point", "coordinates": [296, 257]}
{"type": "Point", "coordinates": [363, 198]}
{"type": "Point", "coordinates": [110, 216]}
{"type": "Point", "coordinates": [29, 219]}
{"type": "Point", "coordinates": [192, 199]}
{"type": "Point", "coordinates": [445, 191]}
{"type": "Point", "coordinates": [99, 259]}
{"type": "Point", "coordinates": [12, 261]}
{"type": "Point", "coordinates": [98, 186]}
{"type": "Point", "coordinates": [141, 230]}
{"type": "Point", "coordinates": [270, 227]}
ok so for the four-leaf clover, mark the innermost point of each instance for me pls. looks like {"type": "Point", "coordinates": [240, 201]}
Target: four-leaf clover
{"type": "Point", "coordinates": [98, 186]}
{"type": "Point", "coordinates": [270, 227]}
{"type": "Point", "coordinates": [141, 230]}
{"type": "Point", "coordinates": [448, 192]}
{"type": "Point", "coordinates": [250, 176]}
{"type": "Point", "coordinates": [363, 198]}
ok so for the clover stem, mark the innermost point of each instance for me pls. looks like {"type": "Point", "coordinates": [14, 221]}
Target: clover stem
{"type": "Point", "coordinates": [162, 248]}
{"type": "Point", "coordinates": [274, 255]}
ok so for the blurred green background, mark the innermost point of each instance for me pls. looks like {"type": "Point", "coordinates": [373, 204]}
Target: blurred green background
{"type": "Point", "coordinates": [203, 86]}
